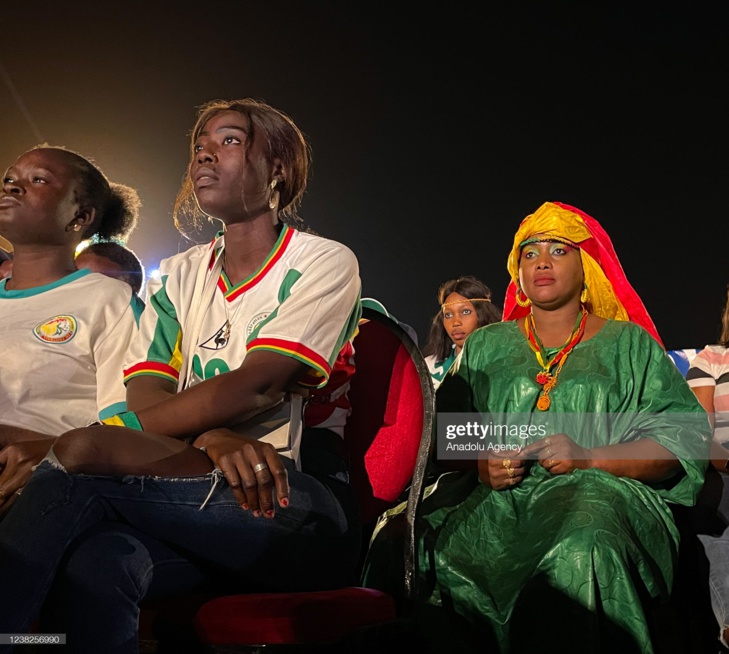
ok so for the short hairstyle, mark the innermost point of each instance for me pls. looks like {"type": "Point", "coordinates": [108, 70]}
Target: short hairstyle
{"type": "Point", "coordinates": [132, 270]}
{"type": "Point", "coordinates": [283, 141]}
{"type": "Point", "coordinates": [439, 344]}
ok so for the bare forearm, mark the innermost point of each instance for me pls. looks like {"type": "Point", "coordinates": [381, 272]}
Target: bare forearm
{"type": "Point", "coordinates": [644, 460]}
{"type": "Point", "coordinates": [9, 435]}
{"type": "Point", "coordinates": [141, 396]}
{"type": "Point", "coordinates": [719, 456]}
{"type": "Point", "coordinates": [202, 408]}
{"type": "Point", "coordinates": [225, 400]}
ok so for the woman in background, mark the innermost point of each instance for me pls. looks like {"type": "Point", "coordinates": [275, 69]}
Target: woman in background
{"type": "Point", "coordinates": [113, 259]}
{"type": "Point", "coordinates": [708, 377]}
{"type": "Point", "coordinates": [465, 305]}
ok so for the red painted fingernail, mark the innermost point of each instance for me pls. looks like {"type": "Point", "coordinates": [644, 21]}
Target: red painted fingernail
{"type": "Point", "coordinates": [284, 501]}
{"type": "Point", "coordinates": [245, 506]}
{"type": "Point", "coordinates": [269, 513]}
{"type": "Point", "coordinates": [257, 513]}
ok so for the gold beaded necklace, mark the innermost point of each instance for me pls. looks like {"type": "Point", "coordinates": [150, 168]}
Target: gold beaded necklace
{"type": "Point", "coordinates": [551, 368]}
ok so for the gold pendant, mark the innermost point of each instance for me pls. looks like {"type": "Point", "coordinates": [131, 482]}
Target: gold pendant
{"type": "Point", "coordinates": [543, 403]}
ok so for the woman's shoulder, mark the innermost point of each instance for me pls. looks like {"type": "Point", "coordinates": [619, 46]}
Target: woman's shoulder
{"type": "Point", "coordinates": [187, 260]}
{"type": "Point", "coordinates": [713, 354]}
{"type": "Point", "coordinates": [627, 329]}
{"type": "Point", "coordinates": [311, 241]}
{"type": "Point", "coordinates": [496, 340]}
{"type": "Point", "coordinates": [504, 329]}
{"type": "Point", "coordinates": [105, 283]}
{"type": "Point", "coordinates": [713, 350]}
{"type": "Point", "coordinates": [306, 246]}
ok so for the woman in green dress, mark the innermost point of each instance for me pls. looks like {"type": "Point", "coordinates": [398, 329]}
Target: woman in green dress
{"type": "Point", "coordinates": [558, 543]}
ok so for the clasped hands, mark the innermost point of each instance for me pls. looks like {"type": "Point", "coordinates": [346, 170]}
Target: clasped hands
{"type": "Point", "coordinates": [253, 469]}
{"type": "Point", "coordinates": [558, 454]}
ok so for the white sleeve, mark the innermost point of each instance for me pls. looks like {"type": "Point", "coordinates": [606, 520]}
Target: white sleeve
{"type": "Point", "coordinates": [109, 353]}
{"type": "Point", "coordinates": [318, 316]}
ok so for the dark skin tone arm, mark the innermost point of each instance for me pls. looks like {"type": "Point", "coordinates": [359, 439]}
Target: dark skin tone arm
{"type": "Point", "coordinates": [206, 412]}
{"type": "Point", "coordinates": [225, 400]}
{"type": "Point", "coordinates": [22, 449]}
{"type": "Point", "coordinates": [719, 454]}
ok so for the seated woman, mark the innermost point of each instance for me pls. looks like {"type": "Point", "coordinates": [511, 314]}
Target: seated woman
{"type": "Point", "coordinates": [465, 305]}
{"type": "Point", "coordinates": [557, 541]}
{"type": "Point", "coordinates": [182, 494]}
{"type": "Point", "coordinates": [64, 333]}
{"type": "Point", "coordinates": [708, 377]}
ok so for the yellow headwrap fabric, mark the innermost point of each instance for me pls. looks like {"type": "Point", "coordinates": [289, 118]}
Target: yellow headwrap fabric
{"type": "Point", "coordinates": [609, 295]}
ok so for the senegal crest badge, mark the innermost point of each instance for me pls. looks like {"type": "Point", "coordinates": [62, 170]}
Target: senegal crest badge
{"type": "Point", "coordinates": [59, 329]}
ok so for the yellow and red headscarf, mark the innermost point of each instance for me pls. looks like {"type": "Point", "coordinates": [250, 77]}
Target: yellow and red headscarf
{"type": "Point", "coordinates": [609, 294]}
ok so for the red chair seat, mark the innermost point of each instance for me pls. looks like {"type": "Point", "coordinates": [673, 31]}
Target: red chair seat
{"type": "Point", "coordinates": [281, 618]}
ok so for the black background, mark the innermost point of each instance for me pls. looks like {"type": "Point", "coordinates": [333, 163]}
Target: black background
{"type": "Point", "coordinates": [435, 129]}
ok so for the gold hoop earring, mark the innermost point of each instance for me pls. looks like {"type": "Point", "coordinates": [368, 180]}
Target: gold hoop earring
{"type": "Point", "coordinates": [583, 295]}
{"type": "Point", "coordinates": [522, 303]}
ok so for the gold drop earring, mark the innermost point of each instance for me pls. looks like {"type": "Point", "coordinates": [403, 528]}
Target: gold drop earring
{"type": "Point", "coordinates": [583, 295]}
{"type": "Point", "coordinates": [272, 201]}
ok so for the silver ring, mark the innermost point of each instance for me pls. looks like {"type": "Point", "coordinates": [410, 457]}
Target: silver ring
{"type": "Point", "coordinates": [260, 466]}
{"type": "Point", "coordinates": [19, 491]}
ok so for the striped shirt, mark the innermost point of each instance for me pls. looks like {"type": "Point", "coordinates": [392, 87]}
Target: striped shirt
{"type": "Point", "coordinates": [710, 367]}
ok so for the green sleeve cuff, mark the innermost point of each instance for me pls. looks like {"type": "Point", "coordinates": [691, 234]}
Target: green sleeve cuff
{"type": "Point", "coordinates": [127, 419]}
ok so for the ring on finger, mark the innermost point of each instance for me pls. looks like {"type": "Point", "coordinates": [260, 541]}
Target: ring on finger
{"type": "Point", "coordinates": [510, 471]}
{"type": "Point", "coordinates": [512, 481]}
{"type": "Point", "coordinates": [260, 466]}
{"type": "Point", "coordinates": [548, 452]}
{"type": "Point", "coordinates": [551, 463]}
{"type": "Point", "coordinates": [547, 442]}
{"type": "Point", "coordinates": [507, 463]}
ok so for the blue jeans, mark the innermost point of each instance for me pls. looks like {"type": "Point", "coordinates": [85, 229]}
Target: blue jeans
{"type": "Point", "coordinates": [100, 545]}
{"type": "Point", "coordinates": [717, 552]}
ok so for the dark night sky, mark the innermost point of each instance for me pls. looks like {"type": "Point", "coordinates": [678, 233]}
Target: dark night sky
{"type": "Point", "coordinates": [434, 130]}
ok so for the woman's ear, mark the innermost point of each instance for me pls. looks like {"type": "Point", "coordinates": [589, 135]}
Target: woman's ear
{"type": "Point", "coordinates": [278, 172]}
{"type": "Point", "coordinates": [84, 217]}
